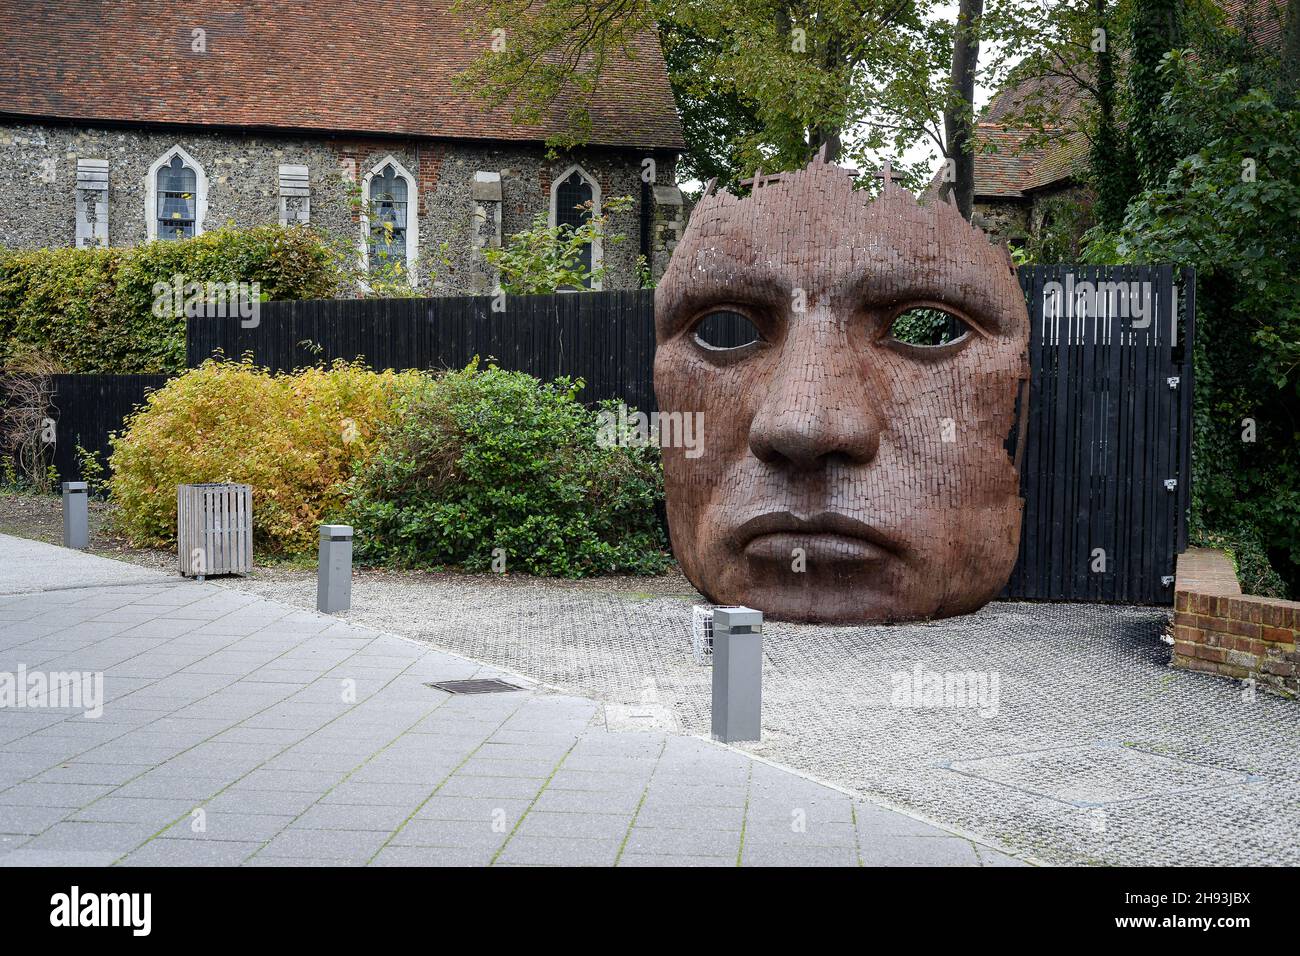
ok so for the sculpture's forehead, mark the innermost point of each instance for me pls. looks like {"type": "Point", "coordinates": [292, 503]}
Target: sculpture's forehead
{"type": "Point", "coordinates": [832, 232]}
{"type": "Point", "coordinates": [886, 252]}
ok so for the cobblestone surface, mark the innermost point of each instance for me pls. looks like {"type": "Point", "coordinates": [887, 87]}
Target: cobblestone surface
{"type": "Point", "coordinates": [1098, 751]}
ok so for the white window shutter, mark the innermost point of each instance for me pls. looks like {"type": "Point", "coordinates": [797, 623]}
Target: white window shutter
{"type": "Point", "coordinates": [295, 195]}
{"type": "Point", "coordinates": [92, 203]}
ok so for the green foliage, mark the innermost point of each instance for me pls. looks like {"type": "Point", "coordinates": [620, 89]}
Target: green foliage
{"type": "Point", "coordinates": [91, 310]}
{"type": "Point", "coordinates": [1250, 559]}
{"type": "Point", "coordinates": [295, 438]}
{"type": "Point", "coordinates": [92, 472]}
{"type": "Point", "coordinates": [1112, 168]}
{"type": "Point", "coordinates": [1156, 29]}
{"type": "Point", "coordinates": [759, 85]}
{"type": "Point", "coordinates": [1229, 208]}
{"type": "Point", "coordinates": [485, 459]}
{"type": "Point", "coordinates": [544, 258]}
{"type": "Point", "coordinates": [1063, 221]}
{"type": "Point", "coordinates": [719, 123]}
{"type": "Point", "coordinates": [645, 278]}
{"type": "Point", "coordinates": [923, 327]}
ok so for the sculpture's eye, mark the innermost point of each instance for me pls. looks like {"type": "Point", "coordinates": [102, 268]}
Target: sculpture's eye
{"type": "Point", "coordinates": [928, 327]}
{"type": "Point", "coordinates": [724, 329]}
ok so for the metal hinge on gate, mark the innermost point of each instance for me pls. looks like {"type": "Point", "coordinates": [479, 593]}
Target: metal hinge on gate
{"type": "Point", "coordinates": [1171, 484]}
{"type": "Point", "coordinates": [1172, 381]}
{"type": "Point", "coordinates": [1167, 580]}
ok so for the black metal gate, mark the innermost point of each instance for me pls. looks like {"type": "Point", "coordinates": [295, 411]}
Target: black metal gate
{"type": "Point", "coordinates": [1106, 472]}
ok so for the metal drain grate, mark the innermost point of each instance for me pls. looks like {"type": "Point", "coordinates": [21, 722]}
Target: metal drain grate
{"type": "Point", "coordinates": [490, 686]}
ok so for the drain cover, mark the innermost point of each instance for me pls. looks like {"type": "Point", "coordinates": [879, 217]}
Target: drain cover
{"type": "Point", "coordinates": [492, 686]}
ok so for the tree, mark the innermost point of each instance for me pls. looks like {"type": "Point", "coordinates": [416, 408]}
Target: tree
{"type": "Point", "coordinates": [1110, 157]}
{"type": "Point", "coordinates": [1229, 209]}
{"type": "Point", "coordinates": [1156, 29]}
{"type": "Point", "coordinates": [761, 84]}
{"type": "Point", "coordinates": [1291, 53]}
{"type": "Point", "coordinates": [959, 116]}
{"type": "Point", "coordinates": [718, 123]}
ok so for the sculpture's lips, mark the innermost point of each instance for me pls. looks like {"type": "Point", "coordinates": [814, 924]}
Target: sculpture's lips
{"type": "Point", "coordinates": [825, 537]}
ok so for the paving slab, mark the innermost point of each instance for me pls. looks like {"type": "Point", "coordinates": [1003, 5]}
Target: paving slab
{"type": "Point", "coordinates": [1089, 739]}
{"type": "Point", "coordinates": [209, 756]}
{"type": "Point", "coordinates": [32, 566]}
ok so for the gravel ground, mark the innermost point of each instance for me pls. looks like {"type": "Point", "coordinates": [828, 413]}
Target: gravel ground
{"type": "Point", "coordinates": [1096, 751]}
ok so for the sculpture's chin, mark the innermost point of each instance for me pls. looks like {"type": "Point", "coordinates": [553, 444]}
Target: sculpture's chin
{"type": "Point", "coordinates": [864, 586]}
{"type": "Point", "coordinates": [847, 605]}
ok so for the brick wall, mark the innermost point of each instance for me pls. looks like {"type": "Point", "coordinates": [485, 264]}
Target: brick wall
{"type": "Point", "coordinates": [1219, 630]}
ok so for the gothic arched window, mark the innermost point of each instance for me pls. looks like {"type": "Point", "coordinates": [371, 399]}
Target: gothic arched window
{"type": "Point", "coordinates": [575, 198]}
{"type": "Point", "coordinates": [177, 197]}
{"type": "Point", "coordinates": [391, 233]}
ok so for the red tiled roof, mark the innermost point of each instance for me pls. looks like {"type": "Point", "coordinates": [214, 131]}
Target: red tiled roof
{"type": "Point", "coordinates": [1028, 158]}
{"type": "Point", "coordinates": [336, 65]}
{"type": "Point", "coordinates": [1263, 19]}
{"type": "Point", "coordinates": [1004, 163]}
{"type": "Point", "coordinates": [1009, 162]}
{"type": "Point", "coordinates": [1057, 95]}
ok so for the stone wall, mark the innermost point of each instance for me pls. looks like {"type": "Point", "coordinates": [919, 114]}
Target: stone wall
{"type": "Point", "coordinates": [1019, 219]}
{"type": "Point", "coordinates": [38, 190]}
{"type": "Point", "coordinates": [1005, 220]}
{"type": "Point", "coordinates": [1219, 630]}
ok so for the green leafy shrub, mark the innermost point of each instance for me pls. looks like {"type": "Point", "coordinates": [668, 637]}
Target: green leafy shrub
{"type": "Point", "coordinates": [485, 459]}
{"type": "Point", "coordinates": [92, 471]}
{"type": "Point", "coordinates": [91, 310]}
{"type": "Point", "coordinates": [295, 438]}
{"type": "Point", "coordinates": [1229, 209]}
{"type": "Point", "coordinates": [1254, 571]}
{"type": "Point", "coordinates": [544, 258]}
{"type": "Point", "coordinates": [922, 326]}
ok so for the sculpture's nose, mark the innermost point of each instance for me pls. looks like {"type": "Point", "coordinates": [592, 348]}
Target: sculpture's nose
{"type": "Point", "coordinates": [816, 407]}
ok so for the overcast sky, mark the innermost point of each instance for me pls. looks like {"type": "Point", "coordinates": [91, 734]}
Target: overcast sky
{"type": "Point", "coordinates": [983, 94]}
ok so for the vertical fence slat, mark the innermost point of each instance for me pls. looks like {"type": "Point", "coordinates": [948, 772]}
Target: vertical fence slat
{"type": "Point", "coordinates": [1185, 408]}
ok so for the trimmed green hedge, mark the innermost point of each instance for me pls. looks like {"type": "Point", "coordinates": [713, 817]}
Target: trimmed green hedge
{"type": "Point", "coordinates": [91, 310]}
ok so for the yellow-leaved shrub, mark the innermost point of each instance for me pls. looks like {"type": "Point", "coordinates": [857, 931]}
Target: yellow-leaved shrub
{"type": "Point", "coordinates": [296, 438]}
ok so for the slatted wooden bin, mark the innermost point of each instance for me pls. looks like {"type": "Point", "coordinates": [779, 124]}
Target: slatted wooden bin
{"type": "Point", "coordinates": [214, 529]}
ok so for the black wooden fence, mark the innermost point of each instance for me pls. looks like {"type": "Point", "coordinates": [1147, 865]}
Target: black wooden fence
{"type": "Point", "coordinates": [1106, 469]}
{"type": "Point", "coordinates": [1106, 475]}
{"type": "Point", "coordinates": [607, 338]}
{"type": "Point", "coordinates": [87, 409]}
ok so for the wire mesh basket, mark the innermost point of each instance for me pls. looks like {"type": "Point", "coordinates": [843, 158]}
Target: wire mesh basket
{"type": "Point", "coordinates": [702, 635]}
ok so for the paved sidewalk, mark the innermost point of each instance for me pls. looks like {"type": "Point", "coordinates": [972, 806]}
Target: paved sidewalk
{"type": "Point", "coordinates": [237, 730]}
{"type": "Point", "coordinates": [29, 566]}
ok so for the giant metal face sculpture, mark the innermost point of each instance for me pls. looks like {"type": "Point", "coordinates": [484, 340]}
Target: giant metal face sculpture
{"type": "Point", "coordinates": [845, 475]}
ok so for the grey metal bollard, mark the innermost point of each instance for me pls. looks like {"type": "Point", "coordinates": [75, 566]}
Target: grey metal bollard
{"type": "Point", "coordinates": [334, 569]}
{"type": "Point", "coordinates": [737, 673]}
{"type": "Point", "coordinates": [76, 520]}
